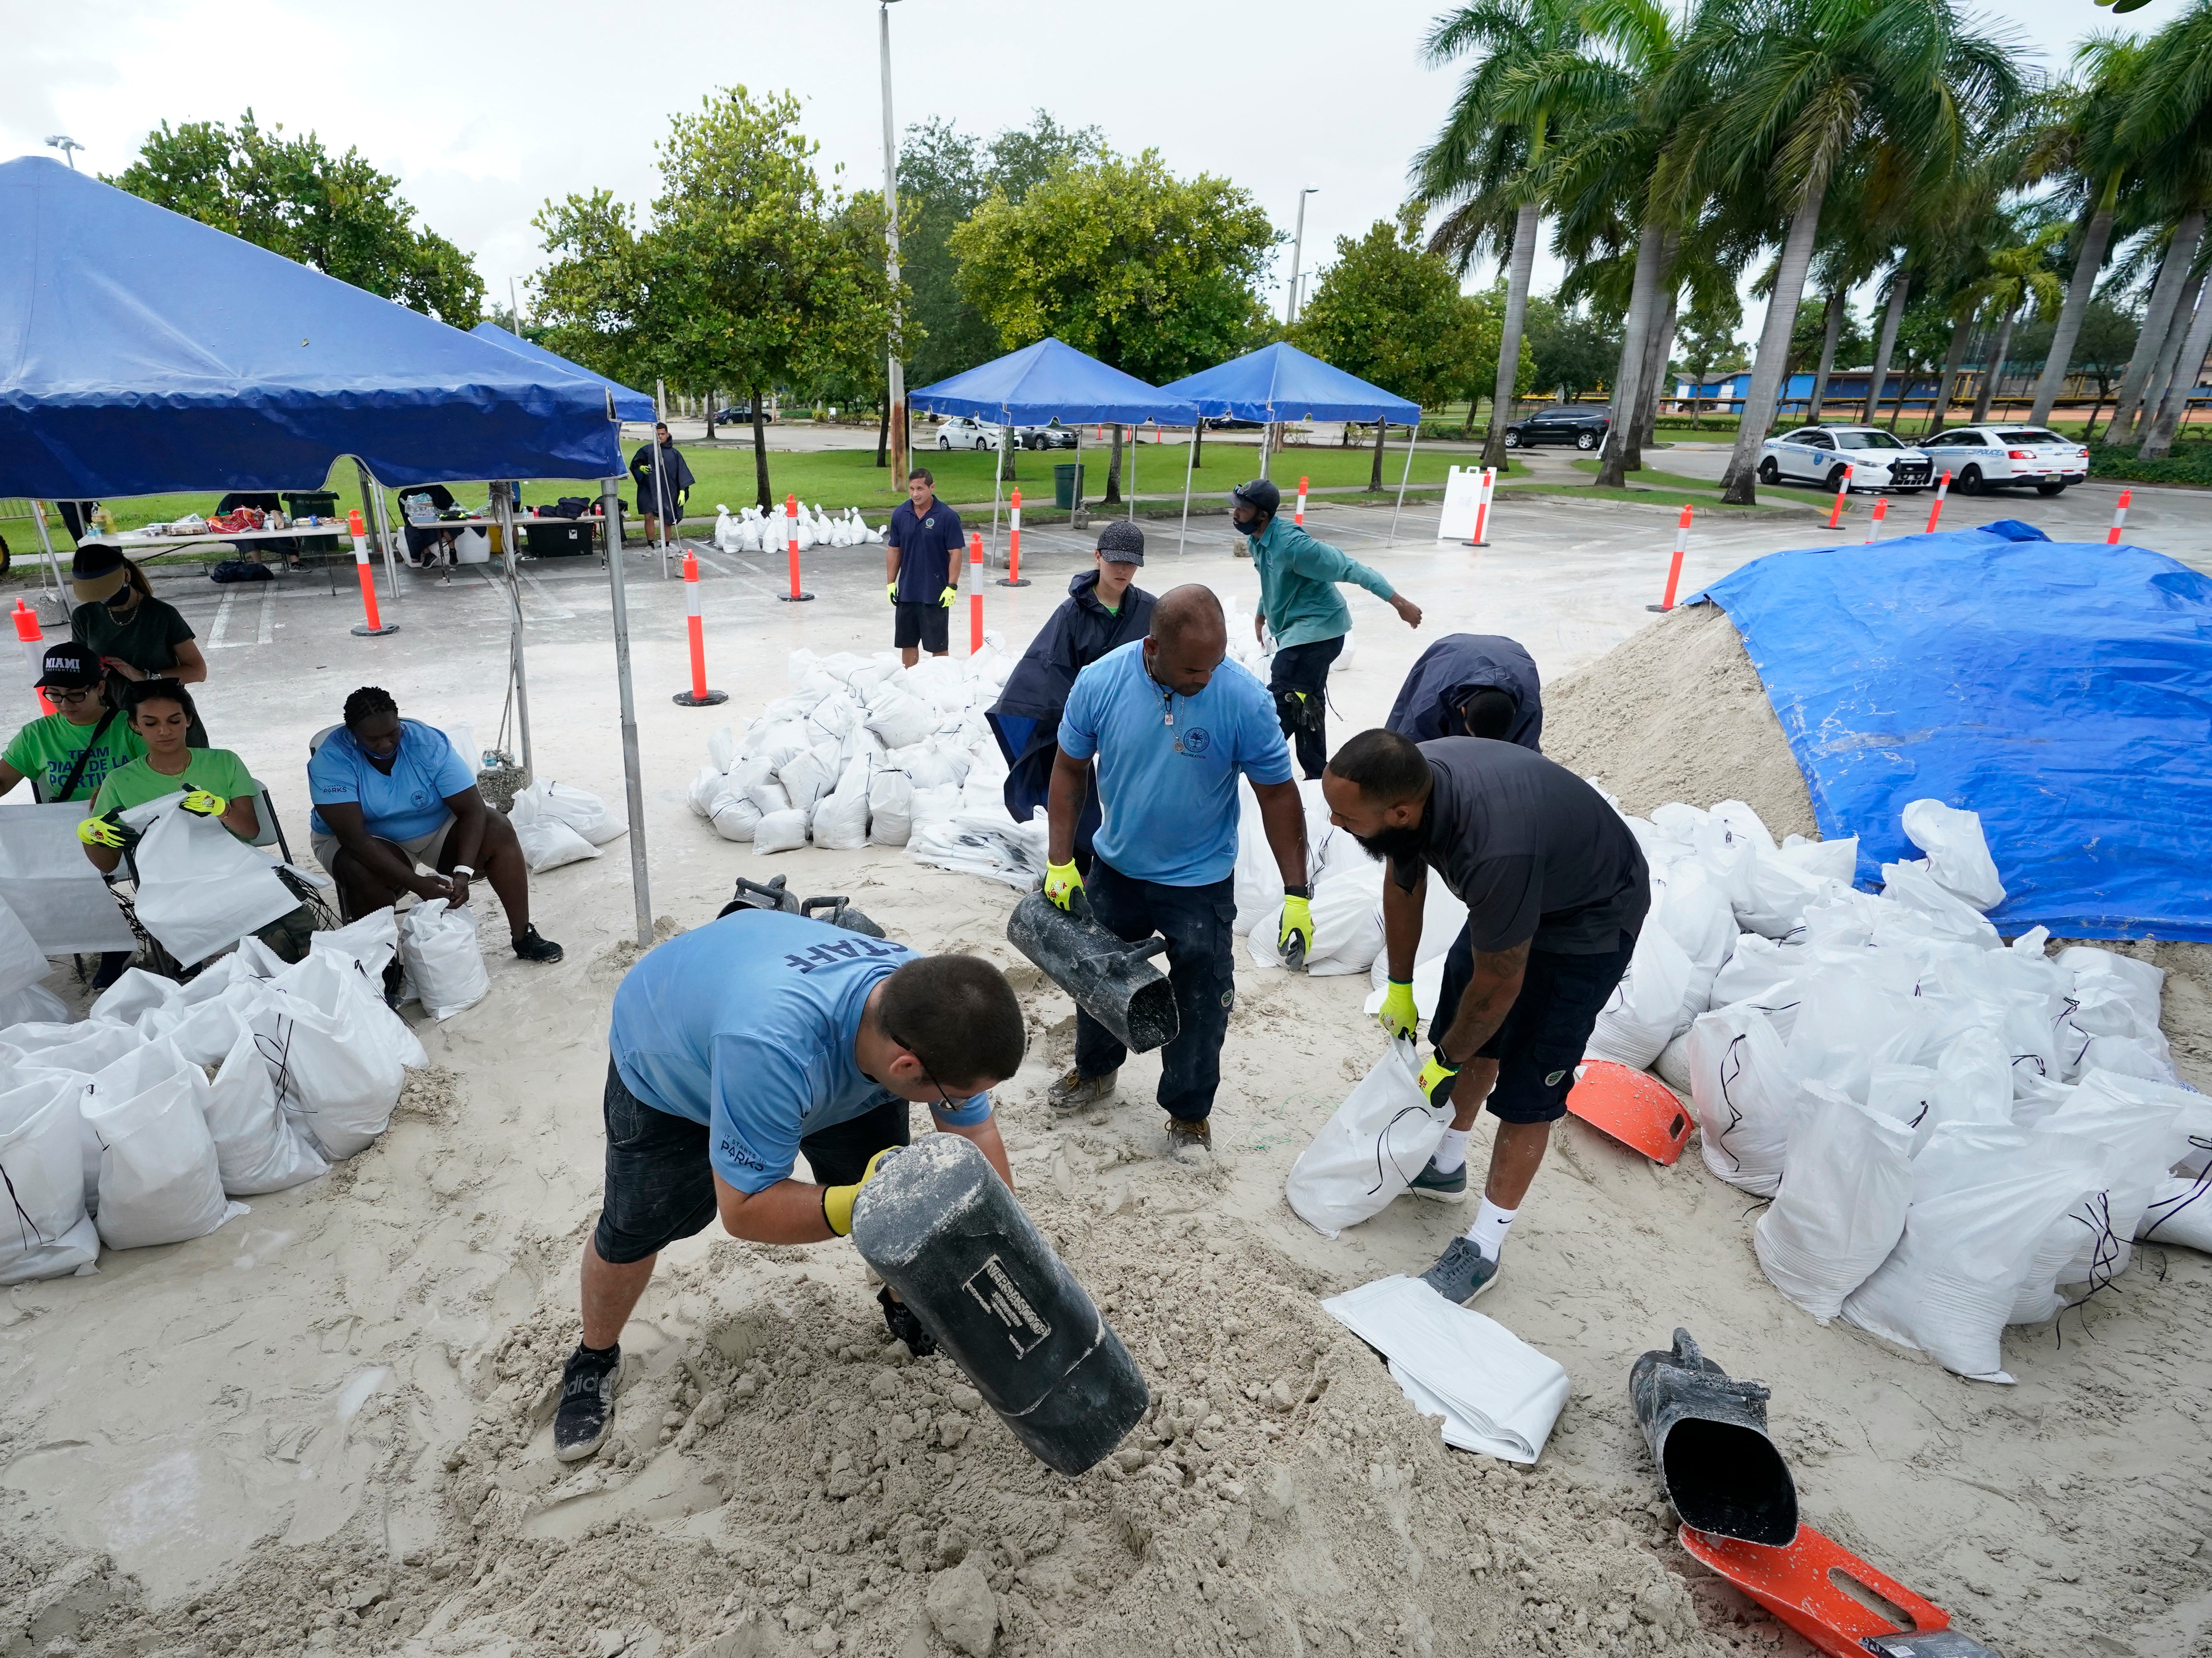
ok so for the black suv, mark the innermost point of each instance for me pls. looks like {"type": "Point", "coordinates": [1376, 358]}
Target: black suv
{"type": "Point", "coordinates": [1583, 425]}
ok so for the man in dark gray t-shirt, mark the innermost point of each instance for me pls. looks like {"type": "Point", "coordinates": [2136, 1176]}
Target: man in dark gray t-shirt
{"type": "Point", "coordinates": [1556, 891]}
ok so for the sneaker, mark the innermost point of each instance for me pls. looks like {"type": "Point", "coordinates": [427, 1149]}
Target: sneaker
{"type": "Point", "coordinates": [531, 948]}
{"type": "Point", "coordinates": [1444, 1188]}
{"type": "Point", "coordinates": [113, 965]}
{"type": "Point", "coordinates": [1075, 1091]}
{"type": "Point", "coordinates": [1190, 1136]}
{"type": "Point", "coordinates": [587, 1414]}
{"type": "Point", "coordinates": [1462, 1272]}
{"type": "Point", "coordinates": [905, 1326]}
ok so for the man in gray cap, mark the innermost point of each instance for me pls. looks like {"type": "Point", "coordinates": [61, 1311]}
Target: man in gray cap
{"type": "Point", "coordinates": [1104, 611]}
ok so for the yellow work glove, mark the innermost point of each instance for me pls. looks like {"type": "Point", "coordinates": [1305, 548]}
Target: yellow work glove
{"type": "Point", "coordinates": [946, 597]}
{"type": "Point", "coordinates": [1437, 1079]}
{"type": "Point", "coordinates": [891, 592]}
{"type": "Point", "coordinates": [1398, 1014]}
{"type": "Point", "coordinates": [100, 832]}
{"type": "Point", "coordinates": [1297, 924]}
{"type": "Point", "coordinates": [838, 1200]}
{"type": "Point", "coordinates": [1061, 883]}
{"type": "Point", "coordinates": [201, 803]}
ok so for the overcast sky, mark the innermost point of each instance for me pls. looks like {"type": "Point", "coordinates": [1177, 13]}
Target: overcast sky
{"type": "Point", "coordinates": [485, 111]}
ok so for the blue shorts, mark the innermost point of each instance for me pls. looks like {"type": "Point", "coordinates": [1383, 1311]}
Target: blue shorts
{"type": "Point", "coordinates": [1545, 1031]}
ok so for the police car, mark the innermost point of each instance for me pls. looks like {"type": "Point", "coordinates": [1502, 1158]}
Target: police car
{"type": "Point", "coordinates": [964, 432]}
{"type": "Point", "coordinates": [1980, 458]}
{"type": "Point", "coordinates": [1819, 455]}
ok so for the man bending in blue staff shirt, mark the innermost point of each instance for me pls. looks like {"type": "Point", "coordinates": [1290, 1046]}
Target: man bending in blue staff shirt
{"type": "Point", "coordinates": [738, 1047]}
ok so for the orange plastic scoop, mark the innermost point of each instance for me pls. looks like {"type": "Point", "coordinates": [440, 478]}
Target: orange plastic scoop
{"type": "Point", "coordinates": [1633, 1107]}
{"type": "Point", "coordinates": [1821, 1589]}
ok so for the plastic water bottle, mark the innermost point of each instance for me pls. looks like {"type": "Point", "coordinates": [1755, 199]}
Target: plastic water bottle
{"type": "Point", "coordinates": [942, 1230]}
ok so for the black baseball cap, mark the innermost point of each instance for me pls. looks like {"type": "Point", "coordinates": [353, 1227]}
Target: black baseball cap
{"type": "Point", "coordinates": [1121, 543]}
{"type": "Point", "coordinates": [95, 572]}
{"type": "Point", "coordinates": [70, 667]}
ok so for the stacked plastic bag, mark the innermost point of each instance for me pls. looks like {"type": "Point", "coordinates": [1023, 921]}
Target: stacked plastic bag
{"type": "Point", "coordinates": [754, 531]}
{"type": "Point", "coordinates": [137, 1125]}
{"type": "Point", "coordinates": [864, 753]}
{"type": "Point", "coordinates": [559, 823]}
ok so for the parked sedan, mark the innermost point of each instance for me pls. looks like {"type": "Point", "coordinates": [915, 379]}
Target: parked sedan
{"type": "Point", "coordinates": [1980, 458]}
{"type": "Point", "coordinates": [1566, 422]}
{"type": "Point", "coordinates": [1050, 436]}
{"type": "Point", "coordinates": [743, 416]}
{"type": "Point", "coordinates": [965, 432]}
{"type": "Point", "coordinates": [1821, 455]}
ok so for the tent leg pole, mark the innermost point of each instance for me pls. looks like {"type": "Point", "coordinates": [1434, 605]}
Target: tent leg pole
{"type": "Point", "coordinates": [371, 509]}
{"type": "Point", "coordinates": [1133, 472]}
{"type": "Point", "coordinates": [1401, 507]}
{"type": "Point", "coordinates": [1190, 459]}
{"type": "Point", "coordinates": [633, 778]}
{"type": "Point", "coordinates": [998, 478]}
{"type": "Point", "coordinates": [53, 563]}
{"type": "Point", "coordinates": [514, 624]}
{"type": "Point", "coordinates": [387, 539]}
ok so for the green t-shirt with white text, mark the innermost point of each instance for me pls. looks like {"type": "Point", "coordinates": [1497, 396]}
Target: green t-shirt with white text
{"type": "Point", "coordinates": [45, 751]}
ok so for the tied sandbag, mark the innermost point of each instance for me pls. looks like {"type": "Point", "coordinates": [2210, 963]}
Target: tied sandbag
{"type": "Point", "coordinates": [2179, 1212]}
{"type": "Point", "coordinates": [780, 831]}
{"type": "Point", "coordinates": [201, 889]}
{"type": "Point", "coordinates": [160, 1180]}
{"type": "Point", "coordinates": [841, 818]}
{"type": "Point", "coordinates": [900, 718]}
{"type": "Point", "coordinates": [735, 818]}
{"type": "Point", "coordinates": [2138, 1136]}
{"type": "Point", "coordinates": [334, 1076]}
{"type": "Point", "coordinates": [1698, 918]}
{"type": "Point", "coordinates": [1381, 1136]}
{"type": "Point", "coordinates": [1958, 852]}
{"type": "Point", "coordinates": [1841, 1207]}
{"type": "Point", "coordinates": [444, 961]}
{"type": "Point", "coordinates": [1939, 911]}
{"type": "Point", "coordinates": [331, 984]}
{"type": "Point", "coordinates": [548, 843]}
{"type": "Point", "coordinates": [257, 1148]}
{"type": "Point", "coordinates": [44, 1230]}
{"type": "Point", "coordinates": [373, 941]}
{"type": "Point", "coordinates": [1650, 1005]}
{"type": "Point", "coordinates": [547, 801]}
{"type": "Point", "coordinates": [1746, 1097]}
{"type": "Point", "coordinates": [890, 808]}
{"type": "Point", "coordinates": [806, 779]}
{"type": "Point", "coordinates": [205, 1033]}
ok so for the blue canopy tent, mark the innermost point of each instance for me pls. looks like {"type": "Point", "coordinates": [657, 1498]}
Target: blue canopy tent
{"type": "Point", "coordinates": [1278, 383]}
{"type": "Point", "coordinates": [1051, 381]}
{"type": "Point", "coordinates": [629, 404]}
{"type": "Point", "coordinates": [142, 352]}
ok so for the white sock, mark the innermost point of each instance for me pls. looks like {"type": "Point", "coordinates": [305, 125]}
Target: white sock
{"type": "Point", "coordinates": [1491, 1225]}
{"type": "Point", "coordinates": [1451, 1149]}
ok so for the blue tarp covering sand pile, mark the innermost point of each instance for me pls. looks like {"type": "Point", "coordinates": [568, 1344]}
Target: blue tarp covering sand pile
{"type": "Point", "coordinates": [2061, 690]}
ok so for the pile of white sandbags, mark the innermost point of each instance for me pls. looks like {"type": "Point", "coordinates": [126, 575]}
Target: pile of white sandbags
{"type": "Point", "coordinates": [137, 1126]}
{"type": "Point", "coordinates": [864, 753]}
{"type": "Point", "coordinates": [559, 823]}
{"type": "Point", "coordinates": [755, 532]}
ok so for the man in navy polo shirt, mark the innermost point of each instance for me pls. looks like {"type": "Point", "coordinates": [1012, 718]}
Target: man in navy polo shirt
{"type": "Point", "coordinates": [924, 542]}
{"type": "Point", "coordinates": [1172, 724]}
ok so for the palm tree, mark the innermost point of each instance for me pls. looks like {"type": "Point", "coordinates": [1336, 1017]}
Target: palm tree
{"type": "Point", "coordinates": [2164, 320]}
{"type": "Point", "coordinates": [1801, 92]}
{"type": "Point", "coordinates": [2016, 275]}
{"type": "Point", "coordinates": [2170, 112]}
{"type": "Point", "coordinates": [1487, 163]}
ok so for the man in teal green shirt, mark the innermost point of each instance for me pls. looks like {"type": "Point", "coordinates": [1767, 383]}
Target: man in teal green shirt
{"type": "Point", "coordinates": [1299, 602]}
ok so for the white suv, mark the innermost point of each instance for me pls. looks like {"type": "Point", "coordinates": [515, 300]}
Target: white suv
{"type": "Point", "coordinates": [1819, 454]}
{"type": "Point", "coordinates": [965, 432]}
{"type": "Point", "coordinates": [1980, 458]}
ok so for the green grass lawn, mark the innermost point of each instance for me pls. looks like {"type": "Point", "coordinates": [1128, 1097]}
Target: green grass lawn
{"type": "Point", "coordinates": [1674, 486]}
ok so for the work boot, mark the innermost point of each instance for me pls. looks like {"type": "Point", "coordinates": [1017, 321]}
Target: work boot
{"type": "Point", "coordinates": [586, 1413]}
{"type": "Point", "coordinates": [1444, 1188]}
{"type": "Point", "coordinates": [1462, 1272]}
{"type": "Point", "coordinates": [1191, 1136]}
{"type": "Point", "coordinates": [531, 948]}
{"type": "Point", "coordinates": [1075, 1091]}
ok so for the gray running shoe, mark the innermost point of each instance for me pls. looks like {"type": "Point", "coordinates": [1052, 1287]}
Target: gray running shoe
{"type": "Point", "coordinates": [1075, 1091]}
{"type": "Point", "coordinates": [1462, 1272]}
{"type": "Point", "coordinates": [1444, 1188]}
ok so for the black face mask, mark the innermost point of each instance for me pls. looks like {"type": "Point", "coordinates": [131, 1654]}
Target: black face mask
{"type": "Point", "coordinates": [1394, 845]}
{"type": "Point", "coordinates": [119, 600]}
{"type": "Point", "coordinates": [1248, 526]}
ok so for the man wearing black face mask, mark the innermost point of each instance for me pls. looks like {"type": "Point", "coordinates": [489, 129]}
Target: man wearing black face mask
{"type": "Point", "coordinates": [1556, 891]}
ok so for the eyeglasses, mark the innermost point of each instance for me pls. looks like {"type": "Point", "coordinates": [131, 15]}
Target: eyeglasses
{"type": "Point", "coordinates": [68, 699]}
{"type": "Point", "coordinates": [950, 1104]}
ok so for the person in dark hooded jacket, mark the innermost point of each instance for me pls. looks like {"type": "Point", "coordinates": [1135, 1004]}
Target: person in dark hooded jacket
{"type": "Point", "coordinates": [663, 477]}
{"type": "Point", "coordinates": [1471, 685]}
{"type": "Point", "coordinates": [1103, 611]}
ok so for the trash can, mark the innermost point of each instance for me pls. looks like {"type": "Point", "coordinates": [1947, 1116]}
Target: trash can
{"type": "Point", "coordinates": [1067, 481]}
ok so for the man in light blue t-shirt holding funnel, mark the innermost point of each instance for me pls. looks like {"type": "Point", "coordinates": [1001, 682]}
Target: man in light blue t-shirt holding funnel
{"type": "Point", "coordinates": [1172, 724]}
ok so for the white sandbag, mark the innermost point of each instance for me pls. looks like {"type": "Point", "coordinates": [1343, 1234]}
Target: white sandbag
{"type": "Point", "coordinates": [2180, 1210]}
{"type": "Point", "coordinates": [1744, 823]}
{"type": "Point", "coordinates": [445, 963]}
{"type": "Point", "coordinates": [1973, 1085]}
{"type": "Point", "coordinates": [1951, 917]}
{"type": "Point", "coordinates": [780, 831]}
{"type": "Point", "coordinates": [1904, 1093]}
{"type": "Point", "coordinates": [890, 808]}
{"type": "Point", "coordinates": [548, 843]}
{"type": "Point", "coordinates": [45, 1232]}
{"type": "Point", "coordinates": [2137, 1135]}
{"type": "Point", "coordinates": [332, 985]}
{"type": "Point", "coordinates": [2188, 1147]}
{"type": "Point", "coordinates": [580, 809]}
{"type": "Point", "coordinates": [1970, 1239]}
{"type": "Point", "coordinates": [833, 716]}
{"type": "Point", "coordinates": [1762, 971]}
{"type": "Point", "coordinates": [707, 784]}
{"type": "Point", "coordinates": [201, 889]}
{"type": "Point", "coordinates": [160, 1181]}
{"type": "Point", "coordinates": [768, 798]}
{"type": "Point", "coordinates": [1845, 1187]}
{"type": "Point", "coordinates": [839, 822]}
{"type": "Point", "coordinates": [22, 963]}
{"type": "Point", "coordinates": [257, 960]}
{"type": "Point", "coordinates": [936, 804]}
{"type": "Point", "coordinates": [2146, 1057]}
{"type": "Point", "coordinates": [372, 942]}
{"type": "Point", "coordinates": [207, 1031]}
{"type": "Point", "coordinates": [1381, 1136]}
{"type": "Point", "coordinates": [1347, 917]}
{"type": "Point", "coordinates": [334, 1077]}
{"type": "Point", "coordinates": [806, 779]}
{"type": "Point", "coordinates": [1846, 1025]}
{"type": "Point", "coordinates": [736, 817]}
{"type": "Point", "coordinates": [32, 1004]}
{"type": "Point", "coordinates": [1830, 861]}
{"type": "Point", "coordinates": [1780, 893]}
{"type": "Point", "coordinates": [1651, 1006]}
{"type": "Point", "coordinates": [722, 748]}
{"type": "Point", "coordinates": [1259, 880]}
{"type": "Point", "coordinates": [134, 994]}
{"type": "Point", "coordinates": [2139, 983]}
{"type": "Point", "coordinates": [1745, 1095]}
{"type": "Point", "coordinates": [1958, 852]}
{"type": "Point", "coordinates": [778, 742]}
{"type": "Point", "coordinates": [256, 1148]}
{"type": "Point", "coordinates": [1699, 917]}
{"type": "Point", "coordinates": [899, 717]}
{"type": "Point", "coordinates": [91, 1046]}
{"type": "Point", "coordinates": [1673, 1065]}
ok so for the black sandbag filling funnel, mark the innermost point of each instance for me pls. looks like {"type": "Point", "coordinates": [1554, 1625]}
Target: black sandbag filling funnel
{"type": "Point", "coordinates": [1708, 1435]}
{"type": "Point", "coordinates": [1110, 979]}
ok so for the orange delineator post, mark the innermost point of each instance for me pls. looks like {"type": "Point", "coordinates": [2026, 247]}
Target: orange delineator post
{"type": "Point", "coordinates": [1482, 494]}
{"type": "Point", "coordinates": [34, 649]}
{"type": "Point", "coordinates": [1674, 569]}
{"type": "Point", "coordinates": [791, 532]}
{"type": "Point", "coordinates": [1836, 513]}
{"type": "Point", "coordinates": [1935, 512]}
{"type": "Point", "coordinates": [698, 697]}
{"type": "Point", "coordinates": [374, 624]}
{"type": "Point", "coordinates": [1873, 522]}
{"type": "Point", "coordinates": [1298, 518]}
{"type": "Point", "coordinates": [1013, 577]}
{"type": "Point", "coordinates": [2119, 517]}
{"type": "Point", "coordinates": [975, 593]}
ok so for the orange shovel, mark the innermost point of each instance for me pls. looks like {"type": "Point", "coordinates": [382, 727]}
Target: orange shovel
{"type": "Point", "coordinates": [1834, 1598]}
{"type": "Point", "coordinates": [1632, 1107]}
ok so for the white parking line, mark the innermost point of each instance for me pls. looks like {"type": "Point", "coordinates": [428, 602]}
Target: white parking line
{"type": "Point", "coordinates": [268, 613]}
{"type": "Point", "coordinates": [221, 622]}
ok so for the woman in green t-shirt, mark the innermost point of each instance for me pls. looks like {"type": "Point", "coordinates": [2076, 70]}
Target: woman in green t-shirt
{"type": "Point", "coordinates": [68, 754]}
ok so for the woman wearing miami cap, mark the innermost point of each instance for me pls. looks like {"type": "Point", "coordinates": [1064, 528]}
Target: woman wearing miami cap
{"type": "Point", "coordinates": [135, 636]}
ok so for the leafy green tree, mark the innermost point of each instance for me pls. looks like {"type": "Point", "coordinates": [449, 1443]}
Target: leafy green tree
{"type": "Point", "coordinates": [291, 196]}
{"type": "Point", "coordinates": [1390, 311]}
{"type": "Point", "coordinates": [1574, 352]}
{"type": "Point", "coordinates": [1710, 346]}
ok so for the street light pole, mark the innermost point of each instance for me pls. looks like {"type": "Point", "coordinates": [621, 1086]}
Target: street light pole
{"type": "Point", "coordinates": [1297, 247]}
{"type": "Point", "coordinates": [67, 145]}
{"type": "Point", "coordinates": [897, 390]}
